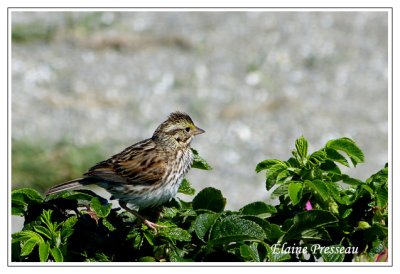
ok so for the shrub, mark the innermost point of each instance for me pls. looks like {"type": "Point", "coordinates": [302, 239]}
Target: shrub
{"type": "Point", "coordinates": [317, 219]}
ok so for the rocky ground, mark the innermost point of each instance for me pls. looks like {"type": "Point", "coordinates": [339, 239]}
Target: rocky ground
{"type": "Point", "coordinates": [255, 81]}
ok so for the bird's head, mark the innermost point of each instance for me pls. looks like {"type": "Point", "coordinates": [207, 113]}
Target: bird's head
{"type": "Point", "coordinates": [178, 129]}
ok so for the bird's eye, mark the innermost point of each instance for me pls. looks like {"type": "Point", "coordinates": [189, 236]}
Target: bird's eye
{"type": "Point", "coordinates": [187, 129]}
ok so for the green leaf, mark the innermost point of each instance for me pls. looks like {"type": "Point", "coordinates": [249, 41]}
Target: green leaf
{"type": "Point", "coordinates": [318, 157]}
{"type": "Point", "coordinates": [28, 246]}
{"type": "Point", "coordinates": [108, 225]}
{"type": "Point", "coordinates": [250, 251]}
{"type": "Point", "coordinates": [346, 213]}
{"type": "Point", "coordinates": [27, 195]}
{"type": "Point", "coordinates": [233, 229]}
{"type": "Point", "coordinates": [272, 173]}
{"type": "Point", "coordinates": [351, 181]}
{"type": "Point", "coordinates": [186, 188]}
{"type": "Point", "coordinates": [280, 190]}
{"type": "Point", "coordinates": [333, 253]}
{"type": "Point", "coordinates": [277, 254]}
{"type": "Point", "coordinates": [101, 210]}
{"type": "Point", "coordinates": [209, 199]}
{"type": "Point", "coordinates": [176, 233]}
{"type": "Point", "coordinates": [315, 234]}
{"type": "Point", "coordinates": [199, 162]}
{"type": "Point", "coordinates": [259, 209]}
{"type": "Point", "coordinates": [334, 192]}
{"type": "Point", "coordinates": [44, 250]}
{"type": "Point", "coordinates": [319, 187]}
{"type": "Point", "coordinates": [308, 220]}
{"type": "Point", "coordinates": [381, 197]}
{"type": "Point", "coordinates": [57, 254]}
{"type": "Point", "coordinates": [25, 235]}
{"type": "Point", "coordinates": [44, 231]}
{"type": "Point", "coordinates": [21, 198]}
{"type": "Point", "coordinates": [301, 145]}
{"type": "Point", "coordinates": [363, 225]}
{"type": "Point", "coordinates": [147, 259]}
{"type": "Point", "coordinates": [149, 237]}
{"type": "Point", "coordinates": [331, 167]}
{"type": "Point", "coordinates": [266, 164]}
{"type": "Point", "coordinates": [169, 212]}
{"type": "Point", "coordinates": [272, 231]}
{"type": "Point", "coordinates": [68, 227]}
{"type": "Point", "coordinates": [295, 192]}
{"type": "Point", "coordinates": [336, 156]}
{"type": "Point", "coordinates": [203, 223]}
{"type": "Point", "coordinates": [349, 147]}
{"type": "Point", "coordinates": [284, 175]}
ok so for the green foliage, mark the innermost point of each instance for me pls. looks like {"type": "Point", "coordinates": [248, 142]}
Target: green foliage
{"type": "Point", "coordinates": [344, 224]}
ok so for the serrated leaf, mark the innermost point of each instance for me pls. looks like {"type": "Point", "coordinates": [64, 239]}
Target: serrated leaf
{"type": "Point", "coordinates": [169, 212]}
{"type": "Point", "coordinates": [102, 210]}
{"type": "Point", "coordinates": [25, 235]}
{"type": "Point", "coordinates": [349, 147]}
{"type": "Point", "coordinates": [295, 192]}
{"type": "Point", "coordinates": [331, 167]}
{"type": "Point", "coordinates": [68, 226]}
{"type": "Point", "coordinates": [78, 195]}
{"type": "Point", "coordinates": [250, 251]}
{"type": "Point", "coordinates": [381, 197]}
{"type": "Point", "coordinates": [319, 187]}
{"type": "Point", "coordinates": [335, 156]}
{"type": "Point", "coordinates": [176, 233]}
{"type": "Point", "coordinates": [334, 192]}
{"type": "Point", "coordinates": [333, 253]}
{"type": "Point", "coordinates": [351, 181]}
{"type": "Point", "coordinates": [266, 164]}
{"type": "Point", "coordinates": [315, 234]}
{"type": "Point", "coordinates": [44, 250]}
{"type": "Point", "coordinates": [44, 231]}
{"type": "Point", "coordinates": [57, 254]}
{"type": "Point", "coordinates": [260, 209]}
{"type": "Point", "coordinates": [308, 220]}
{"type": "Point", "coordinates": [209, 199]}
{"type": "Point", "coordinates": [27, 194]}
{"type": "Point", "coordinates": [199, 162]}
{"type": "Point", "coordinates": [283, 176]}
{"type": "Point", "coordinates": [272, 174]}
{"type": "Point", "coordinates": [28, 246]}
{"type": "Point", "coordinates": [318, 157]}
{"type": "Point", "coordinates": [203, 223]}
{"type": "Point", "coordinates": [21, 198]}
{"type": "Point", "coordinates": [233, 229]}
{"type": "Point", "coordinates": [280, 190]}
{"type": "Point", "coordinates": [301, 145]}
{"type": "Point", "coordinates": [149, 237]}
{"type": "Point", "coordinates": [272, 231]}
{"type": "Point", "coordinates": [186, 188]}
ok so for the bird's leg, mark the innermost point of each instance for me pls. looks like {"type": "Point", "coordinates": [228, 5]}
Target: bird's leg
{"type": "Point", "coordinates": [142, 219]}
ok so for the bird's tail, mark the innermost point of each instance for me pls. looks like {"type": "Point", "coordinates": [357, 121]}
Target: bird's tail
{"type": "Point", "coordinates": [67, 185]}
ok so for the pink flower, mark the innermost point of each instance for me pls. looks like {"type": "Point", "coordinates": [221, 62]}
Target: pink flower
{"type": "Point", "coordinates": [308, 206]}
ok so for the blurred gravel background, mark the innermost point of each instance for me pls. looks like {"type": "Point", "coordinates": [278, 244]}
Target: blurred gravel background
{"type": "Point", "coordinates": [255, 81]}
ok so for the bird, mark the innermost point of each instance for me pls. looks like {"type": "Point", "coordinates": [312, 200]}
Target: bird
{"type": "Point", "coordinates": [148, 173]}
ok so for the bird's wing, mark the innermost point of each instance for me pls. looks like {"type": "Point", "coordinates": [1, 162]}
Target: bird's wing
{"type": "Point", "coordinates": [139, 164]}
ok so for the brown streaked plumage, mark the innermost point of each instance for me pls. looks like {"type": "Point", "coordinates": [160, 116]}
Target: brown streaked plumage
{"type": "Point", "coordinates": [148, 173]}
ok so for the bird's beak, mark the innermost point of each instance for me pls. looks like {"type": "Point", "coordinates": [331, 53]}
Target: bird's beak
{"type": "Point", "coordinates": [198, 131]}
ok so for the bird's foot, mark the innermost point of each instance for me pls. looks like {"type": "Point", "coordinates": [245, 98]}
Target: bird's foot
{"type": "Point", "coordinates": [153, 226]}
